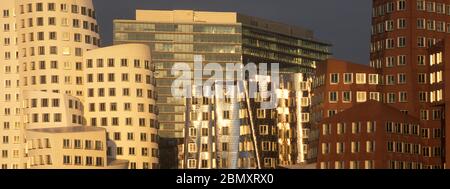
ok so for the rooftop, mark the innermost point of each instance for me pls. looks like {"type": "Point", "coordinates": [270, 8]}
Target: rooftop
{"type": "Point", "coordinates": [209, 17]}
{"type": "Point", "coordinates": [370, 110]}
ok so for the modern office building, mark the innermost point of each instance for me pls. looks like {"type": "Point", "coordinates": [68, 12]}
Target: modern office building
{"type": "Point", "coordinates": [121, 97]}
{"type": "Point", "coordinates": [213, 136]}
{"type": "Point", "coordinates": [218, 37]}
{"type": "Point", "coordinates": [236, 132]}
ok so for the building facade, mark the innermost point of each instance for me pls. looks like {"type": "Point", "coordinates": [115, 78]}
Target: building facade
{"type": "Point", "coordinates": [218, 37]}
{"type": "Point", "coordinates": [402, 31]}
{"type": "Point", "coordinates": [438, 56]}
{"type": "Point", "coordinates": [120, 97]}
{"type": "Point", "coordinates": [75, 147]}
{"type": "Point", "coordinates": [382, 138]}
{"type": "Point", "coordinates": [12, 130]}
{"type": "Point", "coordinates": [339, 85]}
{"type": "Point", "coordinates": [45, 47]}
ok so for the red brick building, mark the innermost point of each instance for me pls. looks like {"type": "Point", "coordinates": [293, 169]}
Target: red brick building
{"type": "Point", "coordinates": [340, 85]}
{"type": "Point", "coordinates": [402, 32]}
{"type": "Point", "coordinates": [439, 89]}
{"type": "Point", "coordinates": [371, 135]}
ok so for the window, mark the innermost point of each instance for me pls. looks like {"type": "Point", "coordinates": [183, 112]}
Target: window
{"type": "Point", "coordinates": [401, 78]}
{"type": "Point", "coordinates": [391, 98]}
{"type": "Point", "coordinates": [361, 96]}
{"type": "Point", "coordinates": [326, 129]}
{"type": "Point", "coordinates": [430, 6]}
{"type": "Point", "coordinates": [334, 78]}
{"type": "Point", "coordinates": [402, 60]}
{"type": "Point", "coordinates": [192, 148]}
{"type": "Point", "coordinates": [261, 113]}
{"type": "Point", "coordinates": [374, 96]}
{"type": "Point", "coordinates": [341, 128]}
{"type": "Point", "coordinates": [333, 97]}
{"type": "Point", "coordinates": [348, 78]}
{"type": "Point", "coordinates": [390, 43]}
{"type": "Point", "coordinates": [360, 78]}
{"type": "Point", "coordinates": [66, 160]}
{"type": "Point", "coordinates": [373, 79]}
{"type": "Point", "coordinates": [346, 96]}
{"type": "Point", "coordinates": [390, 61]}
{"type": "Point", "coordinates": [401, 5]}
{"type": "Point", "coordinates": [401, 23]}
{"type": "Point", "coordinates": [52, 21]}
{"type": "Point", "coordinates": [355, 147]}
{"type": "Point", "coordinates": [371, 127]}
{"type": "Point", "coordinates": [421, 60]}
{"type": "Point", "coordinates": [5, 13]}
{"type": "Point", "coordinates": [422, 78]}
{"type": "Point", "coordinates": [390, 80]}
{"type": "Point", "coordinates": [421, 5]}
{"type": "Point", "coordinates": [389, 25]}
{"type": "Point", "coordinates": [421, 42]}
{"type": "Point", "coordinates": [264, 130]}
{"type": "Point", "coordinates": [401, 41]}
{"type": "Point", "coordinates": [356, 128]}
{"type": "Point", "coordinates": [340, 148]}
{"type": "Point", "coordinates": [325, 148]}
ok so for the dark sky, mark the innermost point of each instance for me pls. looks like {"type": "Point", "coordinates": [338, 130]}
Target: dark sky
{"type": "Point", "coordinates": [343, 23]}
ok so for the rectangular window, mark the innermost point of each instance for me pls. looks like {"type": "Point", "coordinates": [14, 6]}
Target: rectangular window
{"type": "Point", "coordinates": [361, 96]}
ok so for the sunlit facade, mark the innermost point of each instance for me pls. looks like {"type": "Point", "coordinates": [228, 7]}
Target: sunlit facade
{"type": "Point", "coordinates": [218, 37]}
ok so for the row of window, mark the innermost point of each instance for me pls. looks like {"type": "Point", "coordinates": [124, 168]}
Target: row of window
{"type": "Point", "coordinates": [77, 160]}
{"type": "Point", "coordinates": [54, 64]}
{"type": "Point", "coordinates": [354, 146]}
{"type": "Point", "coordinates": [422, 24]}
{"type": "Point", "coordinates": [53, 36]}
{"type": "Point", "coordinates": [361, 96]}
{"type": "Point", "coordinates": [8, 97]}
{"type": "Point", "coordinates": [5, 154]}
{"type": "Point", "coordinates": [356, 128]}
{"type": "Point", "coordinates": [55, 117]}
{"type": "Point", "coordinates": [391, 61]}
{"type": "Point", "coordinates": [126, 92]}
{"type": "Point", "coordinates": [415, 149]}
{"type": "Point", "coordinates": [54, 79]}
{"type": "Point", "coordinates": [400, 42]}
{"type": "Point", "coordinates": [421, 5]}
{"type": "Point", "coordinates": [7, 125]}
{"type": "Point", "coordinates": [39, 7]}
{"type": "Point", "coordinates": [360, 78]}
{"type": "Point", "coordinates": [192, 147]}
{"type": "Point", "coordinates": [55, 103]}
{"type": "Point", "coordinates": [78, 144]}
{"type": "Point", "coordinates": [52, 50]}
{"type": "Point", "coordinates": [128, 121]}
{"type": "Point", "coordinates": [132, 152]}
{"type": "Point", "coordinates": [111, 63]}
{"type": "Point", "coordinates": [436, 114]}
{"type": "Point", "coordinates": [367, 164]}
{"type": "Point", "coordinates": [143, 137]}
{"type": "Point", "coordinates": [111, 77]}
{"type": "Point", "coordinates": [5, 140]}
{"type": "Point", "coordinates": [113, 107]}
